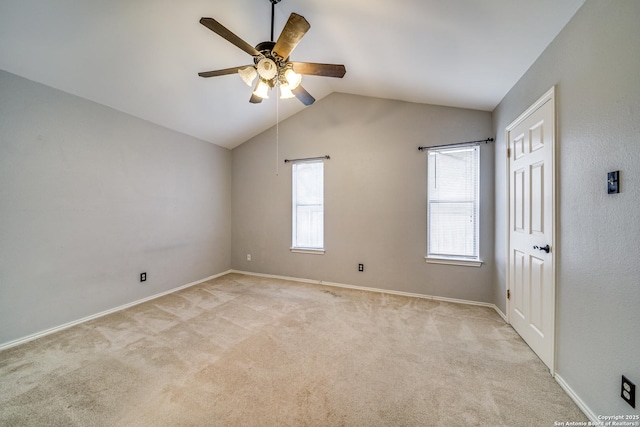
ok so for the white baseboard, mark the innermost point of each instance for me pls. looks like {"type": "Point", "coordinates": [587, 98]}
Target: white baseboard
{"type": "Point", "coordinates": [103, 313]}
{"type": "Point", "coordinates": [579, 402]}
{"type": "Point", "coordinates": [504, 316]}
{"type": "Point", "coordinates": [383, 291]}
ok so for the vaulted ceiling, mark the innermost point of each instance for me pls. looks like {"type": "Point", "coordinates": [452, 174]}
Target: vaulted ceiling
{"type": "Point", "coordinates": [142, 56]}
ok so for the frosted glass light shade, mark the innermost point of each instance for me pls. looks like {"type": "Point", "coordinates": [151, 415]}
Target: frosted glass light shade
{"type": "Point", "coordinates": [262, 90]}
{"type": "Point", "coordinates": [267, 68]}
{"type": "Point", "coordinates": [248, 75]}
{"type": "Point", "coordinates": [293, 78]}
{"type": "Point", "coordinates": [285, 91]}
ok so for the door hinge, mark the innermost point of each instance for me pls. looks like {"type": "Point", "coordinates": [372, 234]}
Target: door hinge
{"type": "Point", "coordinates": [508, 293]}
{"type": "Point", "coordinates": [508, 153]}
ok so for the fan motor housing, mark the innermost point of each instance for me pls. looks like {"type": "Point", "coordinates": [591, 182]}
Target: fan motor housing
{"type": "Point", "coordinates": [266, 48]}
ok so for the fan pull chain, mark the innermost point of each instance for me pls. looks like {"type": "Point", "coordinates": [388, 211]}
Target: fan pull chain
{"type": "Point", "coordinates": [278, 133]}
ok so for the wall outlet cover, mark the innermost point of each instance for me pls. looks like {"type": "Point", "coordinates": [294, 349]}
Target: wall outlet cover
{"type": "Point", "coordinates": [628, 391]}
{"type": "Point", "coordinates": [143, 277]}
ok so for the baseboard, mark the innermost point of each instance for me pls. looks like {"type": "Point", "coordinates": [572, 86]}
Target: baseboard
{"type": "Point", "coordinates": [363, 288]}
{"type": "Point", "coordinates": [103, 313]}
{"type": "Point", "coordinates": [504, 316]}
{"type": "Point", "coordinates": [579, 402]}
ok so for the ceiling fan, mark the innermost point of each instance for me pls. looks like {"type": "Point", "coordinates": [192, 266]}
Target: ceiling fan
{"type": "Point", "coordinates": [271, 60]}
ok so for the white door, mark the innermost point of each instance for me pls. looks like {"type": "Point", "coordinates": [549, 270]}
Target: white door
{"type": "Point", "coordinates": [531, 286]}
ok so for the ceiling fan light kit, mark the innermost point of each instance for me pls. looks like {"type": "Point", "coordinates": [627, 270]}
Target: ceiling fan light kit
{"type": "Point", "coordinates": [262, 89]}
{"type": "Point", "coordinates": [267, 69]}
{"type": "Point", "coordinates": [248, 75]}
{"type": "Point", "coordinates": [285, 91]}
{"type": "Point", "coordinates": [293, 79]}
{"type": "Point", "coordinates": [271, 60]}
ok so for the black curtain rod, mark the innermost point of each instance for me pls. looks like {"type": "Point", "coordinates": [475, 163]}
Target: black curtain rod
{"type": "Point", "coordinates": [308, 158]}
{"type": "Point", "coordinates": [486, 141]}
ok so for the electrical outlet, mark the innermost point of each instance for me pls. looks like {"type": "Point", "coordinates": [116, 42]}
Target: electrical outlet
{"type": "Point", "coordinates": [628, 391]}
{"type": "Point", "coordinates": [143, 277]}
{"type": "Point", "coordinates": [248, 257]}
{"type": "Point", "coordinates": [360, 267]}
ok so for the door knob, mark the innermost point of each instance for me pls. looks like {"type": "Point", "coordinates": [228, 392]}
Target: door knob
{"type": "Point", "coordinates": [543, 248]}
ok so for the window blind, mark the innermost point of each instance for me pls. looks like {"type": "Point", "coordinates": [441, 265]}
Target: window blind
{"type": "Point", "coordinates": [453, 199]}
{"type": "Point", "coordinates": [308, 205]}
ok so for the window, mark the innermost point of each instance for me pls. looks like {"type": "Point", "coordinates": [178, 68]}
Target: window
{"type": "Point", "coordinates": [452, 205]}
{"type": "Point", "coordinates": [308, 207]}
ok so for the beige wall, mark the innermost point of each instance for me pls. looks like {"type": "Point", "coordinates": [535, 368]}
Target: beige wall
{"type": "Point", "coordinates": [91, 197]}
{"type": "Point", "coordinates": [375, 196]}
{"type": "Point", "coordinates": [595, 63]}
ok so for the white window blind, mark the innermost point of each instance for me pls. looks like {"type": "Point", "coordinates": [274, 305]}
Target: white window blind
{"type": "Point", "coordinates": [453, 199]}
{"type": "Point", "coordinates": [308, 205]}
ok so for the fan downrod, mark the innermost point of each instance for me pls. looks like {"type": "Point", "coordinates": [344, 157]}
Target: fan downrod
{"type": "Point", "coordinates": [273, 14]}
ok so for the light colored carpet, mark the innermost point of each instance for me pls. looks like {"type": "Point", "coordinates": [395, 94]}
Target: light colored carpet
{"type": "Point", "coordinates": [241, 350]}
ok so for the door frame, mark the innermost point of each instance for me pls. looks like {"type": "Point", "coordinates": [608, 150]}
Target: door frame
{"type": "Point", "coordinates": [549, 96]}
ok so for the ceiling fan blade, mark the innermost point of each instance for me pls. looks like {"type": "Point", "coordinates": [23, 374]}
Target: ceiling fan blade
{"type": "Point", "coordinates": [255, 99]}
{"type": "Point", "coordinates": [293, 31]}
{"type": "Point", "coordinates": [326, 70]}
{"type": "Point", "coordinates": [224, 32]}
{"type": "Point", "coordinates": [303, 96]}
{"type": "Point", "coordinates": [224, 72]}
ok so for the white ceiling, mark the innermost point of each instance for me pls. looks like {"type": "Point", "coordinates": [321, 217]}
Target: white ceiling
{"type": "Point", "coordinates": [142, 56]}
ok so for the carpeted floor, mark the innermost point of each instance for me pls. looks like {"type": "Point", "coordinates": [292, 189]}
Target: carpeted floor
{"type": "Point", "coordinates": [247, 351]}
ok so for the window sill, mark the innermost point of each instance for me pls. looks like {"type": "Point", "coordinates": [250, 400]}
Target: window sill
{"type": "Point", "coordinates": [307, 251]}
{"type": "Point", "coordinates": [453, 261]}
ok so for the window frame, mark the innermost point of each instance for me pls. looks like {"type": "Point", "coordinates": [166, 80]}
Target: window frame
{"type": "Point", "coordinates": [295, 248]}
{"type": "Point", "coordinates": [455, 259]}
